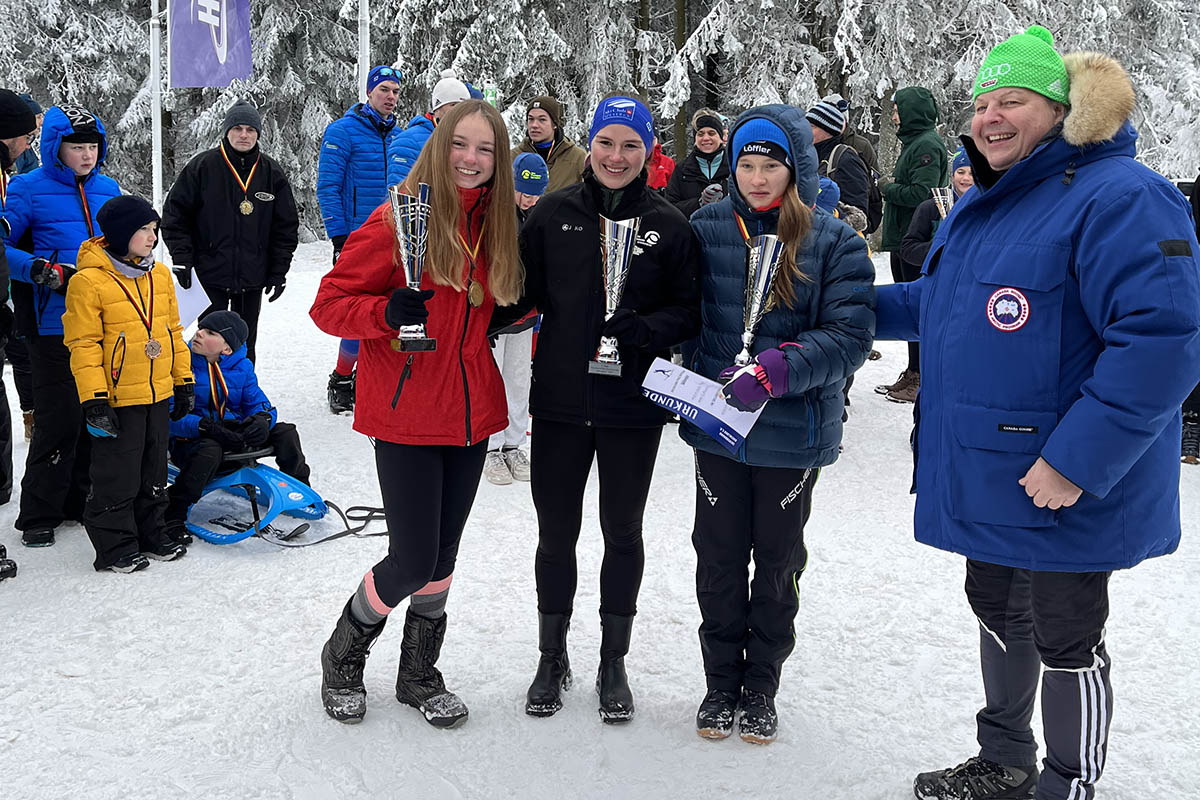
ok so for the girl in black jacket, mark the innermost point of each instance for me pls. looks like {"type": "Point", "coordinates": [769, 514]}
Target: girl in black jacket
{"type": "Point", "coordinates": [704, 170]}
{"type": "Point", "coordinates": [578, 416]}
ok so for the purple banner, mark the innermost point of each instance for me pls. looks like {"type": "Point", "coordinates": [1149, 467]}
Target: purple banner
{"type": "Point", "coordinates": [208, 42]}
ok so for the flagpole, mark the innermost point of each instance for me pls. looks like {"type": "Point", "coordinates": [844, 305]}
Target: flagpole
{"type": "Point", "coordinates": [364, 44]}
{"type": "Point", "coordinates": [156, 159]}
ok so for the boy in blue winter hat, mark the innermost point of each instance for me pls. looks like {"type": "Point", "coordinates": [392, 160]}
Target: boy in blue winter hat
{"type": "Point", "coordinates": [231, 414]}
{"type": "Point", "coordinates": [530, 178]}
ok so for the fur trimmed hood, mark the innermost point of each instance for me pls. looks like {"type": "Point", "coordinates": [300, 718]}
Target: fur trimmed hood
{"type": "Point", "coordinates": [1102, 98]}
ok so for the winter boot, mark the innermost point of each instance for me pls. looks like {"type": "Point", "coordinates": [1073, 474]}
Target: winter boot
{"type": "Point", "coordinates": [419, 683]}
{"type": "Point", "coordinates": [900, 383]}
{"type": "Point", "coordinates": [1190, 453]}
{"type": "Point", "coordinates": [553, 676]}
{"type": "Point", "coordinates": [341, 392]}
{"type": "Point", "coordinates": [977, 779]}
{"type": "Point", "coordinates": [757, 722]}
{"type": "Point", "coordinates": [8, 567]}
{"type": "Point", "coordinates": [38, 537]}
{"type": "Point", "coordinates": [714, 720]}
{"type": "Point", "coordinates": [342, 661]}
{"type": "Point", "coordinates": [176, 531]}
{"type": "Point", "coordinates": [908, 392]}
{"type": "Point", "coordinates": [616, 699]}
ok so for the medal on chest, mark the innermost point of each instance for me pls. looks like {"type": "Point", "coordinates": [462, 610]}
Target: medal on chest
{"type": "Point", "coordinates": [153, 348]}
{"type": "Point", "coordinates": [246, 207]}
{"type": "Point", "coordinates": [475, 293]}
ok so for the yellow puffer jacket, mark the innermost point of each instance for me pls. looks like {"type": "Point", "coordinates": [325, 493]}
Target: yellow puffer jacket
{"type": "Point", "coordinates": [108, 339]}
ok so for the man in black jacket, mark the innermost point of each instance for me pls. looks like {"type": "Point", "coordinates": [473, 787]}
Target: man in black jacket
{"type": "Point", "coordinates": [839, 161]}
{"type": "Point", "coordinates": [231, 217]}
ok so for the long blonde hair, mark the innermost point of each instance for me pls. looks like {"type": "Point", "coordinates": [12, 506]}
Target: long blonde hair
{"type": "Point", "coordinates": [795, 223]}
{"type": "Point", "coordinates": [444, 256]}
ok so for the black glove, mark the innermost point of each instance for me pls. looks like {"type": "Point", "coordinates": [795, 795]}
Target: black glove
{"type": "Point", "coordinates": [256, 429]}
{"type": "Point", "coordinates": [101, 419]}
{"type": "Point", "coordinates": [407, 307]}
{"type": "Point", "coordinates": [223, 435]}
{"type": "Point", "coordinates": [274, 290]}
{"type": "Point", "coordinates": [712, 193]}
{"type": "Point", "coordinates": [185, 401]}
{"type": "Point", "coordinates": [51, 275]}
{"type": "Point", "coordinates": [338, 243]}
{"type": "Point", "coordinates": [183, 275]}
{"type": "Point", "coordinates": [628, 328]}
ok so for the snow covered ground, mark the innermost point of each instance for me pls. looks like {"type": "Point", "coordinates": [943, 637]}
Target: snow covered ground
{"type": "Point", "coordinates": [200, 678]}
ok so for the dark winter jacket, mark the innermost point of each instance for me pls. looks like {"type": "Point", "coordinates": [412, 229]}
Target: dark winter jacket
{"type": "Point", "coordinates": [688, 181]}
{"type": "Point", "coordinates": [922, 165]}
{"type": "Point", "coordinates": [358, 163]}
{"type": "Point", "coordinates": [862, 145]}
{"type": "Point", "coordinates": [825, 337]}
{"type": "Point", "coordinates": [451, 396]}
{"type": "Point", "coordinates": [565, 159]}
{"type": "Point", "coordinates": [204, 228]}
{"type": "Point", "coordinates": [50, 213]}
{"type": "Point", "coordinates": [851, 174]}
{"type": "Point", "coordinates": [244, 399]}
{"type": "Point", "coordinates": [1059, 316]}
{"type": "Point", "coordinates": [915, 245]}
{"type": "Point", "coordinates": [411, 142]}
{"type": "Point", "coordinates": [560, 247]}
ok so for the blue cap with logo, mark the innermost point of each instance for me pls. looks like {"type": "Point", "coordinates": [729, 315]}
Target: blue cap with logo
{"type": "Point", "coordinates": [530, 174]}
{"type": "Point", "coordinates": [625, 111]}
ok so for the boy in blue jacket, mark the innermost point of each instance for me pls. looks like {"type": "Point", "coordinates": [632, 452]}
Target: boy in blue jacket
{"type": "Point", "coordinates": [231, 414]}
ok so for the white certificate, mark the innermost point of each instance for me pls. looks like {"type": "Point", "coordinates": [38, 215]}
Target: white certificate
{"type": "Point", "coordinates": [699, 401]}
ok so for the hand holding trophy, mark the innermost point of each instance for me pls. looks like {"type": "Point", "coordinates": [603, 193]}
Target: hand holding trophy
{"type": "Point", "coordinates": [411, 216]}
{"type": "Point", "coordinates": [617, 238]}
{"type": "Point", "coordinates": [762, 263]}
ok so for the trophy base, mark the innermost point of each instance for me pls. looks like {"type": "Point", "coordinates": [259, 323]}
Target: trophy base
{"type": "Point", "coordinates": [610, 368]}
{"type": "Point", "coordinates": [421, 345]}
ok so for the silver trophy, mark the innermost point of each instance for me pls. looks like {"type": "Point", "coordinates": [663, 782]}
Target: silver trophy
{"type": "Point", "coordinates": [762, 263]}
{"type": "Point", "coordinates": [943, 198]}
{"type": "Point", "coordinates": [617, 238]}
{"type": "Point", "coordinates": [411, 215]}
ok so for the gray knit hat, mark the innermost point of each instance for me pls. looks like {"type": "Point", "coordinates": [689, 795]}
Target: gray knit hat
{"type": "Point", "coordinates": [242, 113]}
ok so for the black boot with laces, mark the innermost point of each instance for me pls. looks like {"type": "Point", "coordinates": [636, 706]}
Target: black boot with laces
{"type": "Point", "coordinates": [757, 721]}
{"type": "Point", "coordinates": [977, 779]}
{"type": "Point", "coordinates": [714, 720]}
{"type": "Point", "coordinates": [342, 662]}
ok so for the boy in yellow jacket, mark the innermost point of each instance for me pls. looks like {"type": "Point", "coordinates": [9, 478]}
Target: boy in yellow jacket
{"type": "Point", "coordinates": [129, 357]}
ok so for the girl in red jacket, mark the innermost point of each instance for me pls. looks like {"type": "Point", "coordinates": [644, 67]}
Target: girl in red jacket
{"type": "Point", "coordinates": [430, 414]}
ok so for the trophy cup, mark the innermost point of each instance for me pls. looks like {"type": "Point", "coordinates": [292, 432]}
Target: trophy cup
{"type": "Point", "coordinates": [943, 198]}
{"type": "Point", "coordinates": [411, 215]}
{"type": "Point", "coordinates": [617, 239]}
{"type": "Point", "coordinates": [762, 262]}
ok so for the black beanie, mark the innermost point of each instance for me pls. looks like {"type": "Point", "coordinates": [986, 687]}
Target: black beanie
{"type": "Point", "coordinates": [16, 118]}
{"type": "Point", "coordinates": [242, 113]}
{"type": "Point", "coordinates": [119, 220]}
{"type": "Point", "coordinates": [229, 325]}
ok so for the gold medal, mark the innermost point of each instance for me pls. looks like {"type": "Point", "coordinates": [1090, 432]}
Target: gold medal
{"type": "Point", "coordinates": [246, 207]}
{"type": "Point", "coordinates": [153, 348]}
{"type": "Point", "coordinates": [475, 293]}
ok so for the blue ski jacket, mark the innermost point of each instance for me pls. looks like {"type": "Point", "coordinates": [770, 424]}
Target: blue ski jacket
{"type": "Point", "coordinates": [825, 338]}
{"type": "Point", "coordinates": [410, 142]}
{"type": "Point", "coordinates": [358, 163]}
{"type": "Point", "coordinates": [244, 397]}
{"type": "Point", "coordinates": [1059, 316]}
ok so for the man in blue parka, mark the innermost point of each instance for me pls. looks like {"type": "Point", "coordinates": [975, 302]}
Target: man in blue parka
{"type": "Point", "coordinates": [1059, 319]}
{"type": "Point", "coordinates": [50, 212]}
{"type": "Point", "coordinates": [359, 160]}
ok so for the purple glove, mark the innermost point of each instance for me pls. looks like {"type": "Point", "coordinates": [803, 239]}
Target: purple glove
{"type": "Point", "coordinates": [753, 385]}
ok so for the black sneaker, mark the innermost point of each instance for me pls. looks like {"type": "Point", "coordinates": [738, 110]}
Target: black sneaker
{"type": "Point", "coordinates": [714, 720]}
{"type": "Point", "coordinates": [341, 392]}
{"type": "Point", "coordinates": [8, 567]}
{"type": "Point", "coordinates": [132, 563]}
{"type": "Point", "coordinates": [757, 721]}
{"type": "Point", "coordinates": [977, 779]}
{"type": "Point", "coordinates": [176, 530]}
{"type": "Point", "coordinates": [167, 551]}
{"type": "Point", "coordinates": [38, 537]}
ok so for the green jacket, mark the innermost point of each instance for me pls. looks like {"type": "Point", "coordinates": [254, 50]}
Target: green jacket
{"type": "Point", "coordinates": [923, 163]}
{"type": "Point", "coordinates": [566, 161]}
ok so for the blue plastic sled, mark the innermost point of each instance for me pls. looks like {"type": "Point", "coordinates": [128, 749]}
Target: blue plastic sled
{"type": "Point", "coordinates": [270, 492]}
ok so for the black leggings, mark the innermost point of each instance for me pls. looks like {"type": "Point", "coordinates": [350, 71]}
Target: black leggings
{"type": "Point", "coordinates": [904, 272]}
{"type": "Point", "coordinates": [428, 491]}
{"type": "Point", "coordinates": [562, 456]}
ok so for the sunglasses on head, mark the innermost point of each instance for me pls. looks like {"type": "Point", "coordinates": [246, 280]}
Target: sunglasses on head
{"type": "Point", "coordinates": [387, 71]}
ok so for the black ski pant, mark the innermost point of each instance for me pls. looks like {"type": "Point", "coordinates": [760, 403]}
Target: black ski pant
{"type": "Point", "coordinates": [1191, 405]}
{"type": "Point", "coordinates": [745, 512]}
{"type": "Point", "coordinates": [1047, 626]}
{"type": "Point", "coordinates": [6, 442]}
{"type": "Point", "coordinates": [562, 455]}
{"type": "Point", "coordinates": [247, 304]}
{"type": "Point", "coordinates": [199, 460]}
{"type": "Point", "coordinates": [17, 352]}
{"type": "Point", "coordinates": [428, 491]}
{"type": "Point", "coordinates": [904, 272]}
{"type": "Point", "coordinates": [55, 485]}
{"type": "Point", "coordinates": [124, 513]}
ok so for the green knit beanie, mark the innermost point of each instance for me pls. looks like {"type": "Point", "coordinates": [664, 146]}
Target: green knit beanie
{"type": "Point", "coordinates": [1025, 61]}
